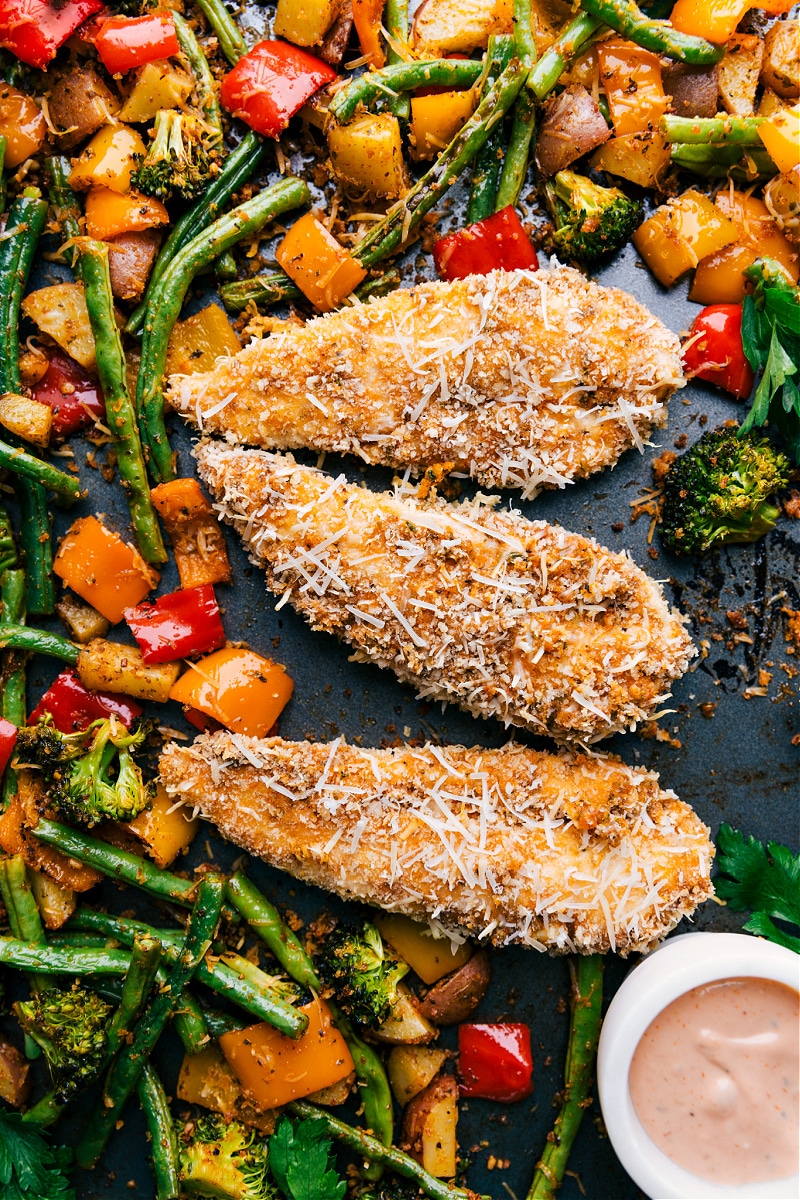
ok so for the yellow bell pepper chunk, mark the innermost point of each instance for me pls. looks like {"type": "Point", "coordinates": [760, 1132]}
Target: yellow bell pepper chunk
{"type": "Point", "coordinates": [714, 20]}
{"type": "Point", "coordinates": [274, 1069]}
{"type": "Point", "coordinates": [102, 569]}
{"type": "Point", "coordinates": [432, 958]}
{"type": "Point", "coordinates": [164, 829]}
{"type": "Point", "coordinates": [196, 343]}
{"type": "Point", "coordinates": [780, 134]}
{"type": "Point", "coordinates": [108, 160]}
{"type": "Point", "coordinates": [367, 154]}
{"type": "Point", "coordinates": [435, 121]}
{"type": "Point", "coordinates": [323, 270]}
{"type": "Point", "coordinates": [680, 233]}
{"type": "Point", "coordinates": [243, 691]}
{"type": "Point", "coordinates": [109, 213]}
{"type": "Point", "coordinates": [22, 124]}
{"type": "Point", "coordinates": [631, 77]}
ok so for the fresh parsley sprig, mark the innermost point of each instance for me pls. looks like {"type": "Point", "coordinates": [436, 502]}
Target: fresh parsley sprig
{"type": "Point", "coordinates": [301, 1163]}
{"type": "Point", "coordinates": [764, 881]}
{"type": "Point", "coordinates": [30, 1169]}
{"type": "Point", "coordinates": [771, 342]}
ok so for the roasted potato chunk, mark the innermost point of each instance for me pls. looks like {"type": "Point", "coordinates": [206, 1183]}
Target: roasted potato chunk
{"type": "Point", "coordinates": [781, 68]}
{"type": "Point", "coordinates": [429, 1127]}
{"type": "Point", "coordinates": [79, 103]}
{"type": "Point", "coordinates": [572, 125]}
{"type": "Point", "coordinates": [455, 998]}
{"type": "Point", "coordinates": [458, 26]}
{"type": "Point", "coordinates": [738, 72]}
{"type": "Point", "coordinates": [412, 1068]}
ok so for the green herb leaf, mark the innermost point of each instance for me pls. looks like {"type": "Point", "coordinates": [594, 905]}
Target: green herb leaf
{"type": "Point", "coordinates": [765, 881]}
{"type": "Point", "coordinates": [771, 342]}
{"type": "Point", "coordinates": [30, 1169]}
{"type": "Point", "coordinates": [300, 1161]}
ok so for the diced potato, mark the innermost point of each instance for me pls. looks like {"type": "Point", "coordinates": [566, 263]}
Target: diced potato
{"type": "Point", "coordinates": [156, 85]}
{"type": "Point", "coordinates": [367, 154]}
{"type": "Point", "coordinates": [304, 22]}
{"type": "Point", "coordinates": [738, 73]}
{"type": "Point", "coordinates": [429, 1127]}
{"type": "Point", "coordinates": [694, 91]}
{"type": "Point", "coordinates": [164, 829]}
{"type": "Point", "coordinates": [781, 68]}
{"type": "Point", "coordinates": [642, 158]}
{"type": "Point", "coordinates": [60, 311]}
{"type": "Point", "coordinates": [336, 40]}
{"type": "Point", "coordinates": [27, 418]}
{"type": "Point", "coordinates": [79, 104]}
{"type": "Point", "coordinates": [455, 998]}
{"type": "Point", "coordinates": [782, 198]}
{"type": "Point", "coordinates": [15, 1083]}
{"type": "Point", "coordinates": [432, 958]}
{"type": "Point", "coordinates": [405, 1025]}
{"type": "Point", "coordinates": [444, 27]}
{"type": "Point", "coordinates": [571, 125]}
{"type": "Point", "coordinates": [82, 621]}
{"type": "Point", "coordinates": [337, 1093]}
{"type": "Point", "coordinates": [21, 124]}
{"type": "Point", "coordinates": [56, 903]}
{"type": "Point", "coordinates": [196, 343]}
{"type": "Point", "coordinates": [207, 1080]}
{"type": "Point", "coordinates": [411, 1069]}
{"type": "Point", "coordinates": [130, 261]}
{"type": "Point", "coordinates": [435, 121]}
{"type": "Point", "coordinates": [111, 667]}
{"type": "Point", "coordinates": [108, 160]}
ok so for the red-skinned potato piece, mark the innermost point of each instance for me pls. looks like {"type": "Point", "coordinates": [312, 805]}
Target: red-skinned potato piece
{"type": "Point", "coordinates": [130, 260]}
{"type": "Point", "coordinates": [572, 125]}
{"type": "Point", "coordinates": [694, 90]}
{"type": "Point", "coordinates": [429, 1127]}
{"type": "Point", "coordinates": [455, 998]}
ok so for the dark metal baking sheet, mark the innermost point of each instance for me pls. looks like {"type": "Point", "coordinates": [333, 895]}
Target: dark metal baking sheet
{"type": "Point", "coordinates": [737, 764]}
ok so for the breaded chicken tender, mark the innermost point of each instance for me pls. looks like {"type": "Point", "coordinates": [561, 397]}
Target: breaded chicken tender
{"type": "Point", "coordinates": [504, 616]}
{"type": "Point", "coordinates": [564, 853]}
{"type": "Point", "coordinates": [522, 380]}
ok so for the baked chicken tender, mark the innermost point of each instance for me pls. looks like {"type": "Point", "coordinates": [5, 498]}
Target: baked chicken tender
{"type": "Point", "coordinates": [506, 617]}
{"type": "Point", "coordinates": [522, 380]}
{"type": "Point", "coordinates": [568, 853]}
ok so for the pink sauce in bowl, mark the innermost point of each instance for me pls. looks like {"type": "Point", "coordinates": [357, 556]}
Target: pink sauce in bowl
{"type": "Point", "coordinates": [714, 1080]}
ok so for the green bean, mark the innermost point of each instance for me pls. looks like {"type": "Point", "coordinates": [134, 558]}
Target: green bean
{"type": "Point", "coordinates": [515, 163]}
{"type": "Point", "coordinates": [39, 472]}
{"type": "Point", "coordinates": [732, 131]}
{"type": "Point", "coordinates": [747, 163]}
{"type": "Point", "coordinates": [375, 1151]}
{"type": "Point", "coordinates": [238, 168]}
{"type": "Point", "coordinates": [256, 998]}
{"type": "Point", "coordinates": [488, 160]}
{"type": "Point", "coordinates": [37, 641]}
{"type": "Point", "coordinates": [132, 1058]}
{"type": "Point", "coordinates": [23, 914]}
{"type": "Point", "coordinates": [586, 1002]}
{"type": "Point", "coordinates": [14, 701]}
{"type": "Point", "coordinates": [161, 1128]}
{"type": "Point", "coordinates": [225, 267]}
{"type": "Point", "coordinates": [204, 86]}
{"type": "Point", "coordinates": [581, 31]}
{"type": "Point", "coordinates": [170, 292]}
{"type": "Point", "coordinates": [24, 226]}
{"type": "Point", "coordinates": [396, 17]}
{"type": "Point", "coordinates": [45, 1112]}
{"type": "Point", "coordinates": [362, 91]}
{"type": "Point", "coordinates": [52, 960]}
{"type": "Point", "coordinates": [626, 18]}
{"type": "Point", "coordinates": [524, 41]}
{"type": "Point", "coordinates": [230, 39]}
{"type": "Point", "coordinates": [146, 955]}
{"type": "Point", "coordinates": [374, 1090]}
{"type": "Point", "coordinates": [8, 547]}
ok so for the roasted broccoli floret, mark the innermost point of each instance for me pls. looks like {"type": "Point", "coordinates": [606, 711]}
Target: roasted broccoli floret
{"type": "Point", "coordinates": [591, 222]}
{"type": "Point", "coordinates": [71, 1029]}
{"type": "Point", "coordinates": [89, 776]}
{"type": "Point", "coordinates": [719, 491]}
{"type": "Point", "coordinates": [362, 971]}
{"type": "Point", "coordinates": [223, 1159]}
{"type": "Point", "coordinates": [178, 161]}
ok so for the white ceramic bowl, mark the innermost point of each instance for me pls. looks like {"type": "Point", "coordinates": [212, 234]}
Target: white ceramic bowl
{"type": "Point", "coordinates": [677, 966]}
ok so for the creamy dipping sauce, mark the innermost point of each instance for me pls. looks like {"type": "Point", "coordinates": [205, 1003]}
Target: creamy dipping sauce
{"type": "Point", "coordinates": [714, 1081]}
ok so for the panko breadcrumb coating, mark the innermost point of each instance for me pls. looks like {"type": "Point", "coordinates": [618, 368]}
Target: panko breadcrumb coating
{"type": "Point", "coordinates": [521, 380]}
{"type": "Point", "coordinates": [504, 616]}
{"type": "Point", "coordinates": [568, 853]}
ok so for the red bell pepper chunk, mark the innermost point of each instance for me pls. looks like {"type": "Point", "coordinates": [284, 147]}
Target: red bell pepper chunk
{"type": "Point", "coordinates": [495, 1062]}
{"type": "Point", "coordinates": [500, 241]}
{"type": "Point", "coordinates": [713, 350]}
{"type": "Point", "coordinates": [76, 400]}
{"type": "Point", "coordinates": [180, 625]}
{"type": "Point", "coordinates": [127, 42]}
{"type": "Point", "coordinates": [271, 83]}
{"type": "Point", "coordinates": [35, 29]}
{"type": "Point", "coordinates": [73, 707]}
{"type": "Point", "coordinates": [8, 739]}
{"type": "Point", "coordinates": [202, 721]}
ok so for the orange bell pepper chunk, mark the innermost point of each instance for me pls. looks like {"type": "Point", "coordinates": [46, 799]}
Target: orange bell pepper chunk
{"type": "Point", "coordinates": [714, 20]}
{"type": "Point", "coordinates": [164, 829]}
{"type": "Point", "coordinates": [780, 134]}
{"type": "Point", "coordinates": [109, 213]}
{"type": "Point", "coordinates": [243, 691]}
{"type": "Point", "coordinates": [323, 270]}
{"type": "Point", "coordinates": [17, 837]}
{"type": "Point", "coordinates": [274, 1069]}
{"type": "Point", "coordinates": [102, 569]}
{"type": "Point", "coordinates": [681, 233]}
{"type": "Point", "coordinates": [367, 16]}
{"type": "Point", "coordinates": [631, 77]}
{"type": "Point", "coordinates": [197, 540]}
